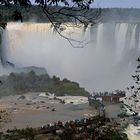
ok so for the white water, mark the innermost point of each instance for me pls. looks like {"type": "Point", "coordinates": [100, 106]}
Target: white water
{"type": "Point", "coordinates": [106, 63]}
{"type": "Point", "coordinates": [2, 44]}
{"type": "Point", "coordinates": [4, 47]}
{"type": "Point", "coordinates": [133, 132]}
{"type": "Point", "coordinates": [120, 40]}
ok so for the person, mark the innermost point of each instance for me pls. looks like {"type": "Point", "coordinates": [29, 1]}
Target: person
{"type": "Point", "coordinates": [102, 111]}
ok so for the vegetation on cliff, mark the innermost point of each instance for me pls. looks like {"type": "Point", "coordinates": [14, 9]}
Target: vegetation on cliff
{"type": "Point", "coordinates": [35, 13]}
{"type": "Point", "coordinates": [18, 83]}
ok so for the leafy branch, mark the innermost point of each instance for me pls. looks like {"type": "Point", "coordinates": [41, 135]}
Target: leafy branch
{"type": "Point", "coordinates": [135, 89]}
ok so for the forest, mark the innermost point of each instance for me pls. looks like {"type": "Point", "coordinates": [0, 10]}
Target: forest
{"type": "Point", "coordinates": [19, 83]}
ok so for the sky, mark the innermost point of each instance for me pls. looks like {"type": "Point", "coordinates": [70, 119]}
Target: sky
{"type": "Point", "coordinates": [116, 3]}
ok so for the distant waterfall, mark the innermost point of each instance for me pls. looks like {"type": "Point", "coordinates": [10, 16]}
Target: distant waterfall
{"type": "Point", "coordinates": [99, 35]}
{"type": "Point", "coordinates": [106, 63]}
{"type": "Point", "coordinates": [119, 38]}
{"type": "Point", "coordinates": [3, 43]}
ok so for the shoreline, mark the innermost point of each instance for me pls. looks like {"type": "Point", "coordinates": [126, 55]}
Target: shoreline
{"type": "Point", "coordinates": [34, 110]}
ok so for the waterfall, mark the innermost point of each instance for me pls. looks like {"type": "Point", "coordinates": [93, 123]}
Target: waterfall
{"type": "Point", "coordinates": [121, 40]}
{"type": "Point", "coordinates": [133, 38]}
{"type": "Point", "coordinates": [99, 45]}
{"type": "Point", "coordinates": [133, 132]}
{"type": "Point", "coordinates": [3, 47]}
{"type": "Point", "coordinates": [106, 63]}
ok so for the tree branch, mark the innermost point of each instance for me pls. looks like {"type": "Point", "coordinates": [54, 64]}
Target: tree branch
{"type": "Point", "coordinates": [77, 16]}
{"type": "Point", "coordinates": [70, 40]}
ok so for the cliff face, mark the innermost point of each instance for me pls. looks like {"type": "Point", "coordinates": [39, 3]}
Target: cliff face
{"type": "Point", "coordinates": [3, 24]}
{"type": "Point", "coordinates": [3, 42]}
{"type": "Point", "coordinates": [37, 70]}
{"type": "Point", "coordinates": [1, 34]}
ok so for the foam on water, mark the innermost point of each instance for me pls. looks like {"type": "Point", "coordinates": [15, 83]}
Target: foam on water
{"type": "Point", "coordinates": [133, 132]}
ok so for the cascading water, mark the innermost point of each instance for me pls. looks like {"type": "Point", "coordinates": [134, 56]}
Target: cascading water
{"type": "Point", "coordinates": [3, 47]}
{"type": "Point", "coordinates": [120, 39]}
{"type": "Point", "coordinates": [106, 63]}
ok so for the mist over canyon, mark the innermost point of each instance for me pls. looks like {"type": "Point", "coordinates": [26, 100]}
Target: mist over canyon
{"type": "Point", "coordinates": [105, 63]}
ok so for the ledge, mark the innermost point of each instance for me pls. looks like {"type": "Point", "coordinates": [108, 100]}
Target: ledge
{"type": "Point", "coordinates": [3, 25]}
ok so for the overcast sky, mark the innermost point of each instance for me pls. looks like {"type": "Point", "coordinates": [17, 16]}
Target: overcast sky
{"type": "Point", "coordinates": [116, 3]}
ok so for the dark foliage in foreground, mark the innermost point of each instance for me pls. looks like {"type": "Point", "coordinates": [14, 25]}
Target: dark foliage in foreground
{"type": "Point", "coordinates": [94, 128]}
{"type": "Point", "coordinates": [134, 89]}
{"type": "Point", "coordinates": [26, 3]}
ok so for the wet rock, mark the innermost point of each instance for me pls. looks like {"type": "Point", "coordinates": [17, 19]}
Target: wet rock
{"type": "Point", "coordinates": [22, 97]}
{"type": "Point", "coordinates": [53, 109]}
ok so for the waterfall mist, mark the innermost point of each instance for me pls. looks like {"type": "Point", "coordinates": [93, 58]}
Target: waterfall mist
{"type": "Point", "coordinates": [4, 47]}
{"type": "Point", "coordinates": [106, 63]}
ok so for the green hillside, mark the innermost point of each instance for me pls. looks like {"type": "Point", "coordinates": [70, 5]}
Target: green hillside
{"type": "Point", "coordinates": [18, 83]}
